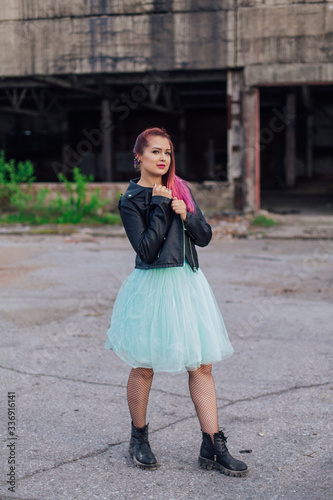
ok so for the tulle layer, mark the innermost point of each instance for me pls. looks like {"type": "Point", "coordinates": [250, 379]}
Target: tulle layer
{"type": "Point", "coordinates": [167, 319]}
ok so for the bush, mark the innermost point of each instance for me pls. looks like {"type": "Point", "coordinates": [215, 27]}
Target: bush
{"type": "Point", "coordinates": [21, 206]}
{"type": "Point", "coordinates": [11, 178]}
{"type": "Point", "coordinates": [262, 220]}
{"type": "Point", "coordinates": [78, 206]}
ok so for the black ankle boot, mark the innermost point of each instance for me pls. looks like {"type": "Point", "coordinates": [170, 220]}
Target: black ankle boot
{"type": "Point", "coordinates": [217, 456]}
{"type": "Point", "coordinates": [139, 448]}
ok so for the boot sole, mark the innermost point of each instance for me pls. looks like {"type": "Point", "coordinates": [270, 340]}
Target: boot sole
{"type": "Point", "coordinates": [205, 463]}
{"type": "Point", "coordinates": [142, 465]}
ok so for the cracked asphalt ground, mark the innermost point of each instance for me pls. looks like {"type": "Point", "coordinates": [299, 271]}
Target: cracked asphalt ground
{"type": "Point", "coordinates": [72, 421]}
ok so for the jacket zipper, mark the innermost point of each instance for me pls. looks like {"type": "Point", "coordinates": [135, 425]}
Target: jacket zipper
{"type": "Point", "coordinates": [189, 240]}
{"type": "Point", "coordinates": [183, 242]}
{"type": "Point", "coordinates": [160, 250]}
{"type": "Point", "coordinates": [194, 267]}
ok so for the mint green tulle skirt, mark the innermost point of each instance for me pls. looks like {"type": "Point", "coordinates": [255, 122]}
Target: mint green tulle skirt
{"type": "Point", "coordinates": [167, 319]}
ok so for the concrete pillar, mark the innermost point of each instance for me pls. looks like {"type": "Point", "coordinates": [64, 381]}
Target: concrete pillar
{"type": "Point", "coordinates": [234, 133]}
{"type": "Point", "coordinates": [236, 140]}
{"type": "Point", "coordinates": [64, 143]}
{"type": "Point", "coordinates": [309, 146]}
{"type": "Point", "coordinates": [251, 150]}
{"type": "Point", "coordinates": [307, 103]}
{"type": "Point", "coordinates": [290, 148]}
{"type": "Point", "coordinates": [107, 140]}
{"type": "Point", "coordinates": [210, 158]}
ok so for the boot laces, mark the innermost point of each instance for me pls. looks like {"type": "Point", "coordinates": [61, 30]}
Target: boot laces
{"type": "Point", "coordinates": [142, 435]}
{"type": "Point", "coordinates": [222, 439]}
{"type": "Point", "coordinates": [144, 439]}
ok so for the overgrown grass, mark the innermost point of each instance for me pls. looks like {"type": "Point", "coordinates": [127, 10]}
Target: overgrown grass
{"type": "Point", "coordinates": [23, 205]}
{"type": "Point", "coordinates": [262, 220]}
{"type": "Point", "coordinates": [36, 219]}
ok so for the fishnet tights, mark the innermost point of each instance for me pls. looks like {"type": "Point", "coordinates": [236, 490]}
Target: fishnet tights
{"type": "Point", "coordinates": [138, 387]}
{"type": "Point", "coordinates": [202, 390]}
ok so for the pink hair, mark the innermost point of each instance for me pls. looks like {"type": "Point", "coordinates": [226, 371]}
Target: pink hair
{"type": "Point", "coordinates": [178, 186]}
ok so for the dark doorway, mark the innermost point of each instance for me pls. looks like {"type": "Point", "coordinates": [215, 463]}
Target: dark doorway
{"type": "Point", "coordinates": [296, 149]}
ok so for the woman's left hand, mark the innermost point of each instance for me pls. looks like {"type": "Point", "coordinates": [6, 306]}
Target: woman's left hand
{"type": "Point", "coordinates": [179, 207]}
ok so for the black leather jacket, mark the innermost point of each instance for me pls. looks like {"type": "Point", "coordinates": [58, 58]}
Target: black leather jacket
{"type": "Point", "coordinates": [157, 234]}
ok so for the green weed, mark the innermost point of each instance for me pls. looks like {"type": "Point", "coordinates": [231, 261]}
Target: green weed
{"type": "Point", "coordinates": [262, 220]}
{"type": "Point", "coordinates": [18, 204]}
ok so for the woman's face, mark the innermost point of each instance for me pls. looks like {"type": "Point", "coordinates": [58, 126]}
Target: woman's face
{"type": "Point", "coordinates": [156, 157]}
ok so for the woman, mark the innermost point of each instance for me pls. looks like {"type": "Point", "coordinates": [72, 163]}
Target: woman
{"type": "Point", "coordinates": [165, 317]}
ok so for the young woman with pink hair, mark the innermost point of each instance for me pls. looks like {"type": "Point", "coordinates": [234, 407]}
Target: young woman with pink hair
{"type": "Point", "coordinates": [165, 317]}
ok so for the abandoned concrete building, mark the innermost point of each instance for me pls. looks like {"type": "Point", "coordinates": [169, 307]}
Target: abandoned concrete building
{"type": "Point", "coordinates": [245, 87]}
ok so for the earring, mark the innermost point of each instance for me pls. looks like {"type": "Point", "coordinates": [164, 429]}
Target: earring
{"type": "Point", "coordinates": [136, 162]}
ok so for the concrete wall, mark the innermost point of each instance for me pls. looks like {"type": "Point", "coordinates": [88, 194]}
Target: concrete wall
{"type": "Point", "coordinates": [212, 197]}
{"type": "Point", "coordinates": [61, 37]}
{"type": "Point", "coordinates": [285, 41]}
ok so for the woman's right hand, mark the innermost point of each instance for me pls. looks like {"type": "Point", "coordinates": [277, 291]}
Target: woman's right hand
{"type": "Point", "coordinates": [159, 190]}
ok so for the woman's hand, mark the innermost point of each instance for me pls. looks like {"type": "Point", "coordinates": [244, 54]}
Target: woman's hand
{"type": "Point", "coordinates": [179, 207]}
{"type": "Point", "coordinates": [162, 191]}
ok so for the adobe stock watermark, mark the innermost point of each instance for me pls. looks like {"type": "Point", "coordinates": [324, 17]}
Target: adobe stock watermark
{"type": "Point", "coordinates": [277, 124]}
{"type": "Point", "coordinates": [80, 334]}
{"type": "Point", "coordinates": [122, 107]}
{"type": "Point", "coordinates": [100, 303]}
{"type": "Point", "coordinates": [263, 309]}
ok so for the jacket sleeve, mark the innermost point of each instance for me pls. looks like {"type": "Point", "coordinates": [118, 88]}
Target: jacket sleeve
{"type": "Point", "coordinates": [147, 241]}
{"type": "Point", "coordinates": [197, 228]}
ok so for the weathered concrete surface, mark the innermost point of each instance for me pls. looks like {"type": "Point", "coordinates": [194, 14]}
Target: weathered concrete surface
{"type": "Point", "coordinates": [299, 226]}
{"type": "Point", "coordinates": [296, 73]}
{"type": "Point", "coordinates": [138, 37]}
{"type": "Point", "coordinates": [313, 227]}
{"type": "Point", "coordinates": [131, 36]}
{"type": "Point", "coordinates": [287, 33]}
{"type": "Point", "coordinates": [274, 394]}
